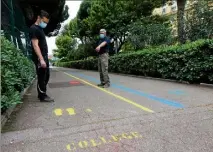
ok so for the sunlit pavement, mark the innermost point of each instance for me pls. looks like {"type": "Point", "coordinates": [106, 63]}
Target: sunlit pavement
{"type": "Point", "coordinates": [133, 115]}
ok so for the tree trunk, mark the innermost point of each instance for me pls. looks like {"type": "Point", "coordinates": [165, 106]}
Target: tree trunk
{"type": "Point", "coordinates": [180, 20]}
{"type": "Point", "coordinates": [116, 46]}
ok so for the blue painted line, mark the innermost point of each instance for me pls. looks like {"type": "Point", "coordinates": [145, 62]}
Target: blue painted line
{"type": "Point", "coordinates": [164, 101]}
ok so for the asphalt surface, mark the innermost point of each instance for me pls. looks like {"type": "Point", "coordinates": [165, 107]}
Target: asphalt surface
{"type": "Point", "coordinates": [133, 115]}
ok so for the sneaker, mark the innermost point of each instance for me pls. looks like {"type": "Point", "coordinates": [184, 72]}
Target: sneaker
{"type": "Point", "coordinates": [106, 86]}
{"type": "Point", "coordinates": [47, 99]}
{"type": "Point", "coordinates": [100, 85]}
{"type": "Point", "coordinates": [39, 96]}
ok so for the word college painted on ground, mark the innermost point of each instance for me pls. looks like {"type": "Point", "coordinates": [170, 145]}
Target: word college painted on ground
{"type": "Point", "coordinates": [102, 140]}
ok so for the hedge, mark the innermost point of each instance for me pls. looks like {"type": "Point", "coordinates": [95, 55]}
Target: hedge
{"type": "Point", "coordinates": [191, 62]}
{"type": "Point", "coordinates": [17, 71]}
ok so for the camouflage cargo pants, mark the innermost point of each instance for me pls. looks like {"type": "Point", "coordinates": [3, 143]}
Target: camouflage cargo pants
{"type": "Point", "coordinates": [103, 68]}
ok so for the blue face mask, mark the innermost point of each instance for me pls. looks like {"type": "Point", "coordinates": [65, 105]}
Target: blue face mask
{"type": "Point", "coordinates": [42, 24]}
{"type": "Point", "coordinates": [102, 36]}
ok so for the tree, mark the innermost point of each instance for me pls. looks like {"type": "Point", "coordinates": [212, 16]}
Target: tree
{"type": "Point", "coordinates": [70, 29]}
{"type": "Point", "coordinates": [180, 20]}
{"type": "Point", "coordinates": [199, 21]}
{"type": "Point", "coordinates": [115, 16]}
{"type": "Point", "coordinates": [82, 24]}
{"type": "Point", "coordinates": [57, 17]}
{"type": "Point", "coordinates": [65, 30]}
{"type": "Point", "coordinates": [65, 45]}
{"type": "Point", "coordinates": [149, 31]}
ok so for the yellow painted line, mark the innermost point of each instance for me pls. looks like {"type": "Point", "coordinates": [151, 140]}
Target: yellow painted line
{"type": "Point", "coordinates": [112, 94]}
{"type": "Point", "coordinates": [88, 110]}
{"type": "Point", "coordinates": [58, 112]}
{"type": "Point", "coordinates": [71, 111]}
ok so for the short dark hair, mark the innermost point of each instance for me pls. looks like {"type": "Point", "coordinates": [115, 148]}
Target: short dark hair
{"type": "Point", "coordinates": [44, 14]}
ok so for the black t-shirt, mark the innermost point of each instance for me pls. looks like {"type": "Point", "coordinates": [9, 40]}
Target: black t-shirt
{"type": "Point", "coordinates": [38, 33]}
{"type": "Point", "coordinates": [106, 47]}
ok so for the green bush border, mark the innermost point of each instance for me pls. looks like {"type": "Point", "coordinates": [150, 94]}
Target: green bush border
{"type": "Point", "coordinates": [17, 71]}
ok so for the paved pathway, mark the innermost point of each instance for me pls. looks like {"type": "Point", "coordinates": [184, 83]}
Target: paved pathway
{"type": "Point", "coordinates": [133, 115]}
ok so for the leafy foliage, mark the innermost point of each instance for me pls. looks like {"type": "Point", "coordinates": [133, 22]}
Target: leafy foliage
{"type": "Point", "coordinates": [17, 72]}
{"type": "Point", "coordinates": [71, 29]}
{"type": "Point", "coordinates": [192, 62]}
{"type": "Point", "coordinates": [182, 25]}
{"type": "Point", "coordinates": [199, 21]}
{"type": "Point", "coordinates": [82, 24]}
{"type": "Point", "coordinates": [131, 26]}
{"type": "Point", "coordinates": [83, 51]}
{"type": "Point", "coordinates": [59, 13]}
{"type": "Point", "coordinates": [150, 31]}
{"type": "Point", "coordinates": [115, 16]}
{"type": "Point", "coordinates": [65, 45]}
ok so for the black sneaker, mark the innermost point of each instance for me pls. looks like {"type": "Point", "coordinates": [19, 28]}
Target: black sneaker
{"type": "Point", "coordinates": [39, 96]}
{"type": "Point", "coordinates": [47, 99]}
{"type": "Point", "coordinates": [100, 85]}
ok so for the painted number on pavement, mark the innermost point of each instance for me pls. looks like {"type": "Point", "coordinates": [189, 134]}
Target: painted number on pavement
{"type": "Point", "coordinates": [69, 111]}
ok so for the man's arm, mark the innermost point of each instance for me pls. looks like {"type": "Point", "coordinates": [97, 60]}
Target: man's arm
{"type": "Point", "coordinates": [102, 44]}
{"type": "Point", "coordinates": [37, 49]}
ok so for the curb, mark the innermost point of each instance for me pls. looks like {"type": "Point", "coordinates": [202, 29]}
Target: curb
{"type": "Point", "coordinates": [207, 85]}
{"type": "Point", "coordinates": [8, 112]}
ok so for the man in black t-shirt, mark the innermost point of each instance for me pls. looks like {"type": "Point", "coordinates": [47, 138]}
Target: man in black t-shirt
{"type": "Point", "coordinates": [103, 57]}
{"type": "Point", "coordinates": [40, 54]}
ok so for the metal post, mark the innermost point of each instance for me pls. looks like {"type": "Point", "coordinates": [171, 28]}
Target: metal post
{"type": "Point", "coordinates": [163, 3]}
{"type": "Point", "coordinates": [12, 22]}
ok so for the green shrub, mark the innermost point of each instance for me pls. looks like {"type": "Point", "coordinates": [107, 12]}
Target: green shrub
{"type": "Point", "coordinates": [192, 62]}
{"type": "Point", "coordinates": [17, 72]}
{"type": "Point", "coordinates": [149, 35]}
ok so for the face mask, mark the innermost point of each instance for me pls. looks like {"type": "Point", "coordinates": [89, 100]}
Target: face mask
{"type": "Point", "coordinates": [42, 24]}
{"type": "Point", "coordinates": [102, 36]}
